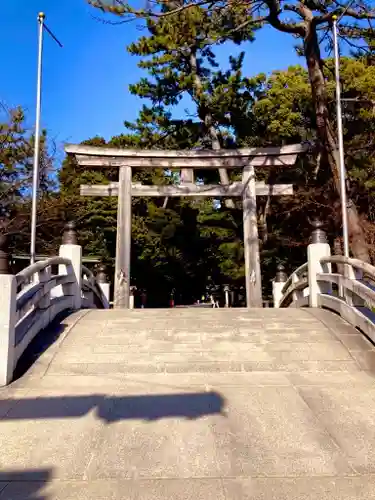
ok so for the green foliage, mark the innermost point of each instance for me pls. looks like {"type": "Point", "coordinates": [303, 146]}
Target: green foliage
{"type": "Point", "coordinates": [284, 112]}
{"type": "Point", "coordinates": [193, 242]}
{"type": "Point", "coordinates": [177, 53]}
{"type": "Point", "coordinates": [16, 167]}
{"type": "Point", "coordinates": [186, 244]}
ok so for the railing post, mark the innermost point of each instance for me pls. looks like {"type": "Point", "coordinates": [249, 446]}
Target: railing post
{"type": "Point", "coordinates": [351, 298]}
{"type": "Point", "coordinates": [101, 279]}
{"type": "Point", "coordinates": [8, 297]}
{"type": "Point", "coordinates": [278, 285]}
{"type": "Point", "coordinates": [72, 251]}
{"type": "Point", "coordinates": [44, 303]}
{"type": "Point", "coordinates": [297, 294]}
{"type": "Point", "coordinates": [317, 249]}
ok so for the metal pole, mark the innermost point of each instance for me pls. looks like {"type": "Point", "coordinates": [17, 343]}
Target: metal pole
{"type": "Point", "coordinates": [41, 17]}
{"type": "Point", "coordinates": [345, 233]}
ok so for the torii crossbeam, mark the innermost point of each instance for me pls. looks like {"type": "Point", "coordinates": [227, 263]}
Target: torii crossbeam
{"type": "Point", "coordinates": [187, 160]}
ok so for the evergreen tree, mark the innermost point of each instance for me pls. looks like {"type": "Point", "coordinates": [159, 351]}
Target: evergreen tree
{"type": "Point", "coordinates": [178, 55]}
{"type": "Point", "coordinates": [16, 170]}
{"type": "Point", "coordinates": [309, 22]}
{"type": "Point", "coordinates": [284, 112]}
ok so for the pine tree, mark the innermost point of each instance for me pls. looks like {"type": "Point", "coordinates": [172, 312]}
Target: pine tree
{"type": "Point", "coordinates": [178, 54]}
{"type": "Point", "coordinates": [16, 171]}
{"type": "Point", "coordinates": [309, 21]}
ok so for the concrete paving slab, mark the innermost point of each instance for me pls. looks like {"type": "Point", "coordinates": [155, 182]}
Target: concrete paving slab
{"type": "Point", "coordinates": [137, 358]}
{"type": "Point", "coordinates": [69, 490]}
{"type": "Point", "coordinates": [293, 335]}
{"type": "Point", "coordinates": [149, 404]}
{"type": "Point", "coordinates": [204, 367]}
{"type": "Point", "coordinates": [330, 488]}
{"type": "Point", "coordinates": [365, 359]}
{"type": "Point", "coordinates": [147, 347]}
{"type": "Point", "coordinates": [103, 368]}
{"type": "Point", "coordinates": [345, 412]}
{"type": "Point", "coordinates": [306, 345]}
{"type": "Point", "coordinates": [216, 380]}
{"type": "Point", "coordinates": [60, 432]}
{"type": "Point", "coordinates": [271, 431]}
{"type": "Point", "coordinates": [122, 381]}
{"type": "Point", "coordinates": [356, 342]}
{"type": "Point", "coordinates": [302, 366]}
{"type": "Point", "coordinates": [187, 489]}
{"type": "Point", "coordinates": [317, 352]}
{"type": "Point", "coordinates": [357, 378]}
{"type": "Point", "coordinates": [164, 448]}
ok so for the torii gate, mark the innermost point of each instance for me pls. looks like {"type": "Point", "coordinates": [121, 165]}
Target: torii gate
{"type": "Point", "coordinates": [187, 160]}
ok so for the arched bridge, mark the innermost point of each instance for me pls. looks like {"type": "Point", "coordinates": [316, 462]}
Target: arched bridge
{"type": "Point", "coordinates": [264, 404]}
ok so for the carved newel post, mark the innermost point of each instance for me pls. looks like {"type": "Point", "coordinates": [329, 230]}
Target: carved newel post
{"type": "Point", "coordinates": [278, 285]}
{"type": "Point", "coordinates": [72, 251]}
{"type": "Point", "coordinates": [8, 296]}
{"type": "Point", "coordinates": [317, 249]}
{"type": "Point", "coordinates": [101, 279]}
{"type": "Point", "coordinates": [69, 234]}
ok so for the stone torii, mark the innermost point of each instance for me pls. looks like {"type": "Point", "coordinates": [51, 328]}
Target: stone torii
{"type": "Point", "coordinates": [187, 161]}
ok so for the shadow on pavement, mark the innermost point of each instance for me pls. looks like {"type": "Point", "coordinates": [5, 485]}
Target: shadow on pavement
{"type": "Point", "coordinates": [113, 409]}
{"type": "Point", "coordinates": [27, 484]}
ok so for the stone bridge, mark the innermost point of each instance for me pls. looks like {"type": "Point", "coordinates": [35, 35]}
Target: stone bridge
{"type": "Point", "coordinates": [211, 404]}
{"type": "Point", "coordinates": [175, 404]}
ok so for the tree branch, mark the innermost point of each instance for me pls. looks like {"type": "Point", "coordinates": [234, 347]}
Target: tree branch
{"type": "Point", "coordinates": [346, 10]}
{"type": "Point", "coordinates": [274, 20]}
{"type": "Point", "coordinates": [141, 13]}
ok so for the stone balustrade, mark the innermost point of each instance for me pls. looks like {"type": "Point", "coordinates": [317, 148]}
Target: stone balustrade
{"type": "Point", "coordinates": [34, 297]}
{"type": "Point", "coordinates": [349, 291]}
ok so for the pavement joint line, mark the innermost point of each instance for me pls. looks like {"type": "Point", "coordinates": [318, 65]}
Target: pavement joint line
{"type": "Point", "coordinates": [316, 418]}
{"type": "Point", "coordinates": [196, 478]}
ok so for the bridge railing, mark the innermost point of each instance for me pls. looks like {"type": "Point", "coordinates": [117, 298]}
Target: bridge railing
{"type": "Point", "coordinates": [295, 287]}
{"type": "Point", "coordinates": [348, 291]}
{"type": "Point", "coordinates": [31, 299]}
{"type": "Point", "coordinates": [93, 292]}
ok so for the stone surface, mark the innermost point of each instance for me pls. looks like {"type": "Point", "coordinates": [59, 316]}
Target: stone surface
{"type": "Point", "coordinates": [331, 488]}
{"type": "Point", "coordinates": [202, 404]}
{"type": "Point", "coordinates": [185, 489]}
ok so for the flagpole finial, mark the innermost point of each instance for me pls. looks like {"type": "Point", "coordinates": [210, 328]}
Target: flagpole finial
{"type": "Point", "coordinates": [41, 16]}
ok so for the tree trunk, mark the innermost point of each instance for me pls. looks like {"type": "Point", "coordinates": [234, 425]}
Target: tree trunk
{"type": "Point", "coordinates": [207, 119]}
{"type": "Point", "coordinates": [328, 138]}
{"type": "Point", "coordinates": [263, 220]}
{"type": "Point", "coordinates": [224, 177]}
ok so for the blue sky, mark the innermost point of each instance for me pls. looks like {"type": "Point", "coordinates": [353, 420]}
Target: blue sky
{"type": "Point", "coordinates": [85, 84]}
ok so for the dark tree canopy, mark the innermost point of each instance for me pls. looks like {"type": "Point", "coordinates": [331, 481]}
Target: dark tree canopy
{"type": "Point", "coordinates": [183, 245]}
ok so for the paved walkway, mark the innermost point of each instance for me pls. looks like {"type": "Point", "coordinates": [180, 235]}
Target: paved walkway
{"type": "Point", "coordinates": [193, 404]}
